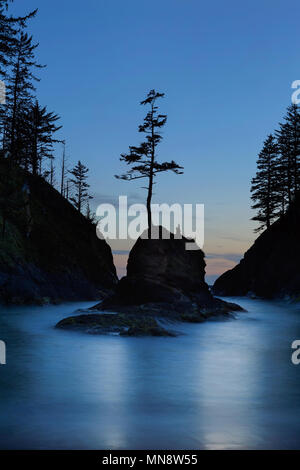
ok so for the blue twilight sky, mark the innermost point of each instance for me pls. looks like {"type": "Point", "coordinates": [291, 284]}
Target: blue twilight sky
{"type": "Point", "coordinates": [226, 69]}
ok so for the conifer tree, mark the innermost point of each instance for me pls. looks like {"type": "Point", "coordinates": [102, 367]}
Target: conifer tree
{"type": "Point", "coordinates": [288, 138]}
{"type": "Point", "coordinates": [79, 180]}
{"type": "Point", "coordinates": [143, 158]}
{"type": "Point", "coordinates": [9, 29]}
{"type": "Point", "coordinates": [265, 184]}
{"type": "Point", "coordinates": [40, 129]}
{"type": "Point", "coordinates": [20, 88]}
{"type": "Point", "coordinates": [284, 165]}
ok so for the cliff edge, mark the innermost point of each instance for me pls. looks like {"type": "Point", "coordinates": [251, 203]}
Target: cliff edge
{"type": "Point", "coordinates": [270, 268]}
{"type": "Point", "coordinates": [49, 252]}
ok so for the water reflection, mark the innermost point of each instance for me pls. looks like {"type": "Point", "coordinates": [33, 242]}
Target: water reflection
{"type": "Point", "coordinates": [223, 384]}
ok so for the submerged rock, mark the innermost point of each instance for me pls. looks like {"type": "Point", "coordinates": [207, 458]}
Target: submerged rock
{"type": "Point", "coordinates": [120, 324]}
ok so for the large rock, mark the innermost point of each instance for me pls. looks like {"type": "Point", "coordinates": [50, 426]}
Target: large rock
{"type": "Point", "coordinates": [270, 268]}
{"type": "Point", "coordinates": [163, 270]}
{"type": "Point", "coordinates": [164, 277]}
{"type": "Point", "coordinates": [164, 283]}
{"type": "Point", "coordinates": [49, 251]}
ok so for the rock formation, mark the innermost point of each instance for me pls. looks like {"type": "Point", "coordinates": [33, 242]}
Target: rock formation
{"type": "Point", "coordinates": [163, 275]}
{"type": "Point", "coordinates": [270, 268]}
{"type": "Point", "coordinates": [48, 250]}
{"type": "Point", "coordinates": [118, 324]}
{"type": "Point", "coordinates": [163, 271]}
{"type": "Point", "coordinates": [164, 282]}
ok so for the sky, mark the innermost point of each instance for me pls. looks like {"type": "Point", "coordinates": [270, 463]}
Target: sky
{"type": "Point", "coordinates": [226, 69]}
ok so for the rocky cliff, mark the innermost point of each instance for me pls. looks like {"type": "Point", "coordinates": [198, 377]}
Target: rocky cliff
{"type": "Point", "coordinates": [48, 250]}
{"type": "Point", "coordinates": [270, 268]}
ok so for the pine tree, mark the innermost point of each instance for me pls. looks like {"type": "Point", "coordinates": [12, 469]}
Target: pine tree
{"type": "Point", "coordinates": [285, 163]}
{"type": "Point", "coordinates": [144, 157]}
{"type": "Point", "coordinates": [288, 138]}
{"type": "Point", "coordinates": [9, 28]}
{"type": "Point", "coordinates": [280, 188]}
{"type": "Point", "coordinates": [40, 128]}
{"type": "Point", "coordinates": [265, 184]}
{"type": "Point", "coordinates": [81, 186]}
{"type": "Point", "coordinates": [20, 88]}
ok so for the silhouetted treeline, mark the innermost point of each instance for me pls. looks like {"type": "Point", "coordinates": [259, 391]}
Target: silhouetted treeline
{"type": "Point", "coordinates": [27, 128]}
{"type": "Point", "coordinates": [277, 178]}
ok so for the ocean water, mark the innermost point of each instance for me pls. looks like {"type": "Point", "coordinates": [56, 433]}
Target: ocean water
{"type": "Point", "coordinates": [225, 384]}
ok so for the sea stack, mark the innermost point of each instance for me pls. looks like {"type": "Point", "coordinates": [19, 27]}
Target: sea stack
{"type": "Point", "coordinates": [164, 281]}
{"type": "Point", "coordinates": [163, 275]}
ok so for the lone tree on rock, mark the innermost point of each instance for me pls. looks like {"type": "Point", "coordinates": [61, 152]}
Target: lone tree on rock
{"type": "Point", "coordinates": [144, 157]}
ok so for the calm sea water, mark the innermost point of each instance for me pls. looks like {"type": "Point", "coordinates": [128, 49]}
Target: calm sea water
{"type": "Point", "coordinates": [221, 385]}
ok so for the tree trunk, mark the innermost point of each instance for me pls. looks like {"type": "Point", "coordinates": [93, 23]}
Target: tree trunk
{"type": "Point", "coordinates": [149, 198]}
{"type": "Point", "coordinates": [14, 112]}
{"type": "Point", "coordinates": [268, 215]}
{"type": "Point", "coordinates": [62, 184]}
{"type": "Point", "coordinates": [151, 175]}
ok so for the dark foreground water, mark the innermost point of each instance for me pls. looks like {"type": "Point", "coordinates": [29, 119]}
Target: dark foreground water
{"type": "Point", "coordinates": [222, 385]}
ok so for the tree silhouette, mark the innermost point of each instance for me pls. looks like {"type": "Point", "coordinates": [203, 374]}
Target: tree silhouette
{"type": "Point", "coordinates": [20, 87]}
{"type": "Point", "coordinates": [143, 159]}
{"type": "Point", "coordinates": [40, 126]}
{"type": "Point", "coordinates": [264, 186]}
{"type": "Point", "coordinates": [81, 186]}
{"type": "Point", "coordinates": [288, 137]}
{"type": "Point", "coordinates": [27, 128]}
{"type": "Point", "coordinates": [9, 28]}
{"type": "Point", "coordinates": [278, 174]}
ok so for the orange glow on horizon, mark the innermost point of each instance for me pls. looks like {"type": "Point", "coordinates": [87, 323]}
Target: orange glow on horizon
{"type": "Point", "coordinates": [214, 266]}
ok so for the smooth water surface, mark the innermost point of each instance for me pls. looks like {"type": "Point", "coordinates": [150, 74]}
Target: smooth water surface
{"type": "Point", "coordinates": [226, 384]}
